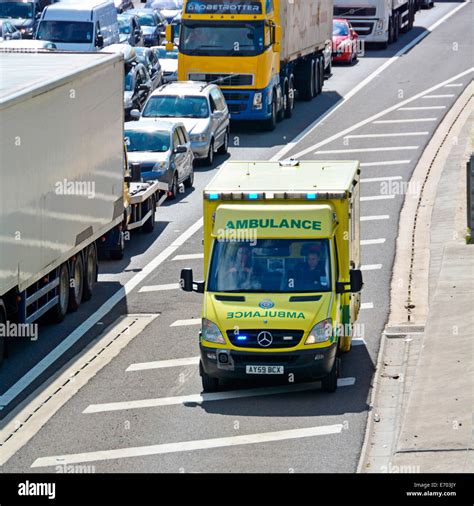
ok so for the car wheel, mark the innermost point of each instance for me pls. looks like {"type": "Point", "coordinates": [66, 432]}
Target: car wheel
{"type": "Point", "coordinates": [209, 160]}
{"type": "Point", "coordinates": [173, 187]}
{"type": "Point", "coordinates": [188, 183]}
{"type": "Point", "coordinates": [225, 145]}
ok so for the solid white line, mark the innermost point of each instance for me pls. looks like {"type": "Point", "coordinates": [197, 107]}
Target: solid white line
{"type": "Point", "coordinates": [438, 96]}
{"type": "Point", "coordinates": [427, 108]}
{"type": "Point", "coordinates": [373, 267]}
{"type": "Point", "coordinates": [375, 218]}
{"type": "Point", "coordinates": [454, 85]}
{"type": "Point", "coordinates": [72, 338]}
{"type": "Point", "coordinates": [161, 364]}
{"type": "Point", "coordinates": [182, 323]}
{"type": "Point", "coordinates": [376, 136]}
{"type": "Point", "coordinates": [377, 197]}
{"type": "Point", "coordinates": [199, 398]}
{"type": "Point", "coordinates": [367, 305]}
{"type": "Point", "coordinates": [417, 120]}
{"type": "Point", "coordinates": [186, 446]}
{"type": "Point", "coordinates": [376, 179]}
{"type": "Point", "coordinates": [366, 150]}
{"type": "Point", "coordinates": [159, 288]}
{"type": "Point", "coordinates": [289, 146]}
{"type": "Point", "coordinates": [370, 242]}
{"type": "Point", "coordinates": [388, 162]}
{"type": "Point", "coordinates": [189, 257]}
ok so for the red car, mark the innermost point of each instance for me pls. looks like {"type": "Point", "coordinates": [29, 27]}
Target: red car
{"type": "Point", "coordinates": [344, 41]}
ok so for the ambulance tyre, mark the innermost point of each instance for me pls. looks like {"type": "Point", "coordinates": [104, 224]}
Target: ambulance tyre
{"type": "Point", "coordinates": [209, 384]}
{"type": "Point", "coordinates": [329, 382]}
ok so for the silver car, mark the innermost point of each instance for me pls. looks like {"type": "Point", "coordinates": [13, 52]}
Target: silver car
{"type": "Point", "coordinates": [163, 150]}
{"type": "Point", "coordinates": [200, 106]}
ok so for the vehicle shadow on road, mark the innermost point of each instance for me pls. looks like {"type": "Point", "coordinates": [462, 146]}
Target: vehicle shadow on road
{"type": "Point", "coordinates": [313, 402]}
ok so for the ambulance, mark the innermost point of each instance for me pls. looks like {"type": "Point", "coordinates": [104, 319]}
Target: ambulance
{"type": "Point", "coordinates": [282, 271]}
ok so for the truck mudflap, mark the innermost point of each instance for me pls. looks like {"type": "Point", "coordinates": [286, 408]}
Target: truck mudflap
{"type": "Point", "coordinates": [300, 364]}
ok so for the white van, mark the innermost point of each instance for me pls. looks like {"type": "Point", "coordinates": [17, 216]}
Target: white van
{"type": "Point", "coordinates": [80, 25]}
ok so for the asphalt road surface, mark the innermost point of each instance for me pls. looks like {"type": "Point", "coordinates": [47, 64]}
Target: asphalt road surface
{"type": "Point", "coordinates": [144, 410]}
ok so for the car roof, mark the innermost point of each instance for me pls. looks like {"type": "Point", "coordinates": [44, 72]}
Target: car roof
{"type": "Point", "coordinates": [151, 126]}
{"type": "Point", "coordinates": [141, 11]}
{"type": "Point", "coordinates": [198, 88]}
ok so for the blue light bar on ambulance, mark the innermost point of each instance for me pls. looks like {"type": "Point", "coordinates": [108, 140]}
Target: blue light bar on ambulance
{"type": "Point", "coordinates": [274, 195]}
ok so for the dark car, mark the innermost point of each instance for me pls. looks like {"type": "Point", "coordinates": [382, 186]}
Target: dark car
{"type": "Point", "coordinates": [149, 58]}
{"type": "Point", "coordinates": [169, 8]}
{"type": "Point", "coordinates": [153, 25]}
{"type": "Point", "coordinates": [24, 16]}
{"type": "Point", "coordinates": [130, 29]}
{"type": "Point", "coordinates": [137, 87]}
{"type": "Point", "coordinates": [8, 31]}
{"type": "Point", "coordinates": [123, 5]}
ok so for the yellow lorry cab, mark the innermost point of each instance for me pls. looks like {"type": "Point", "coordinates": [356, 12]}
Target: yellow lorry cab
{"type": "Point", "coordinates": [282, 270]}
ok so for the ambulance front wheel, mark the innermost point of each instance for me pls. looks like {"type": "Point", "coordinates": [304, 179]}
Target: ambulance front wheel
{"type": "Point", "coordinates": [329, 382]}
{"type": "Point", "coordinates": [209, 384]}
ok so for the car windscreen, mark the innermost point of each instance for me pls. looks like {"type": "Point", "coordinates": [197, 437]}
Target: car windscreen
{"type": "Point", "coordinates": [147, 20]}
{"type": "Point", "coordinates": [158, 142]}
{"type": "Point", "coordinates": [23, 10]}
{"type": "Point", "coordinates": [270, 265]}
{"type": "Point", "coordinates": [339, 28]}
{"type": "Point", "coordinates": [167, 55]}
{"type": "Point", "coordinates": [66, 31]}
{"type": "Point", "coordinates": [237, 38]}
{"type": "Point", "coordinates": [173, 106]}
{"type": "Point", "coordinates": [129, 82]}
{"type": "Point", "coordinates": [124, 25]}
{"type": "Point", "coordinates": [166, 4]}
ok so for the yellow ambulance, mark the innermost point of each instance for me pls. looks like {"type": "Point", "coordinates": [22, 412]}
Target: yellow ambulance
{"type": "Point", "coordinates": [282, 271]}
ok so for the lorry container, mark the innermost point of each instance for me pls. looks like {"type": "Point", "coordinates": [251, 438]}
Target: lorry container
{"type": "Point", "coordinates": [379, 21]}
{"type": "Point", "coordinates": [282, 271]}
{"type": "Point", "coordinates": [66, 194]}
{"type": "Point", "coordinates": [262, 53]}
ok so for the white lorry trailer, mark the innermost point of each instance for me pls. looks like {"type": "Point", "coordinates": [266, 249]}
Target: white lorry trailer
{"type": "Point", "coordinates": [379, 21]}
{"type": "Point", "coordinates": [65, 193]}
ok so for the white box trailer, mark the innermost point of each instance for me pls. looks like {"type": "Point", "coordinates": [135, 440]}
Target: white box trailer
{"type": "Point", "coordinates": [379, 21]}
{"type": "Point", "coordinates": [306, 26]}
{"type": "Point", "coordinates": [62, 163]}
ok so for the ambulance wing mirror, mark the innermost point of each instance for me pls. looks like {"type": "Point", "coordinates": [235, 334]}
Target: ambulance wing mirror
{"type": "Point", "coordinates": [355, 285]}
{"type": "Point", "coordinates": [188, 284]}
{"type": "Point", "coordinates": [356, 280]}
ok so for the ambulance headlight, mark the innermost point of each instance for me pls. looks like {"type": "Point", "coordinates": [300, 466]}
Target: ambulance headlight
{"type": "Point", "coordinates": [320, 333]}
{"type": "Point", "coordinates": [211, 332]}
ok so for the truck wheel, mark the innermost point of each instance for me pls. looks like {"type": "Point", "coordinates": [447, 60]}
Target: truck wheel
{"type": "Point", "coordinates": [59, 311]}
{"type": "Point", "coordinates": [76, 284]}
{"type": "Point", "coordinates": [90, 272]}
{"type": "Point", "coordinates": [270, 124]}
{"type": "Point", "coordinates": [209, 384]}
{"type": "Point", "coordinates": [318, 77]}
{"type": "Point", "coordinates": [328, 70]}
{"type": "Point", "coordinates": [117, 254]}
{"type": "Point", "coordinates": [309, 85]}
{"type": "Point", "coordinates": [290, 97]}
{"type": "Point", "coordinates": [390, 30]}
{"type": "Point", "coordinates": [329, 382]}
{"type": "Point", "coordinates": [396, 27]}
{"type": "Point", "coordinates": [149, 224]}
{"type": "Point", "coordinates": [210, 155]}
{"type": "Point", "coordinates": [225, 145]}
{"type": "Point", "coordinates": [188, 183]}
{"type": "Point", "coordinates": [3, 345]}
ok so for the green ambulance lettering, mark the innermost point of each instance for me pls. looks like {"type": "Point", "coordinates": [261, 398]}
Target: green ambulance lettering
{"type": "Point", "coordinates": [295, 223]}
{"type": "Point", "coordinates": [306, 224]}
{"type": "Point", "coordinates": [242, 224]}
{"type": "Point", "coordinates": [230, 224]}
{"type": "Point", "coordinates": [253, 223]}
{"type": "Point", "coordinates": [316, 225]}
{"type": "Point", "coordinates": [230, 314]}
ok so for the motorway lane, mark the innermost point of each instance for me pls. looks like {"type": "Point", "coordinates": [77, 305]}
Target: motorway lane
{"type": "Point", "coordinates": [159, 341]}
{"type": "Point", "coordinates": [252, 144]}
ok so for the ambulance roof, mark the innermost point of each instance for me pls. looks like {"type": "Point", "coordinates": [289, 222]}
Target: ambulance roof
{"type": "Point", "coordinates": [280, 177]}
